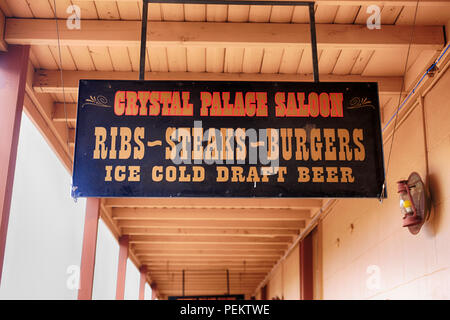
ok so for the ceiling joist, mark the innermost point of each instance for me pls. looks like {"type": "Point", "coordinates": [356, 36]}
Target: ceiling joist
{"type": "Point", "coordinates": [48, 81]}
{"type": "Point", "coordinates": [200, 34]}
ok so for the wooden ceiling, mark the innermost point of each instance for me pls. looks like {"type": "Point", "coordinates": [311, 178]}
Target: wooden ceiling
{"type": "Point", "coordinates": [206, 237]}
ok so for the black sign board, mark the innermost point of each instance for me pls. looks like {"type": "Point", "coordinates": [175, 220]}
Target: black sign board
{"type": "Point", "coordinates": [227, 139]}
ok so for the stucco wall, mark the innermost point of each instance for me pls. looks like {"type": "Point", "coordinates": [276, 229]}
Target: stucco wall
{"type": "Point", "coordinates": [364, 241]}
{"type": "Point", "coordinates": [365, 252]}
{"type": "Point", "coordinates": [284, 282]}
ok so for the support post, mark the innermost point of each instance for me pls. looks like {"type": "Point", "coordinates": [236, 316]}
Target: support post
{"type": "Point", "coordinates": [89, 249]}
{"type": "Point", "coordinates": [154, 290]}
{"type": "Point", "coordinates": [306, 268]}
{"type": "Point", "coordinates": [143, 39]}
{"type": "Point", "coordinates": [122, 267]}
{"type": "Point", "coordinates": [13, 73]}
{"type": "Point", "coordinates": [143, 281]}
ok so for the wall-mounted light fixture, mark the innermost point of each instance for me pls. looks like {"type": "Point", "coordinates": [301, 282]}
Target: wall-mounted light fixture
{"type": "Point", "coordinates": [414, 202]}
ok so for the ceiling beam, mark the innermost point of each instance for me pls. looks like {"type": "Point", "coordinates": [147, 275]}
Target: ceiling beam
{"type": "Point", "coordinates": [207, 252]}
{"type": "Point", "coordinates": [344, 2]}
{"type": "Point", "coordinates": [205, 34]}
{"type": "Point", "coordinates": [212, 224]}
{"type": "Point", "coordinates": [238, 247]}
{"type": "Point", "coordinates": [209, 214]}
{"type": "Point", "coordinates": [257, 203]}
{"type": "Point", "coordinates": [49, 81]}
{"type": "Point", "coordinates": [208, 239]}
{"type": "Point", "coordinates": [208, 231]}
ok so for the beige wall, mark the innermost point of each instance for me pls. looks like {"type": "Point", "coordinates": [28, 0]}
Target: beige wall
{"type": "Point", "coordinates": [362, 240]}
{"type": "Point", "coordinates": [285, 280]}
{"type": "Point", "coordinates": [361, 233]}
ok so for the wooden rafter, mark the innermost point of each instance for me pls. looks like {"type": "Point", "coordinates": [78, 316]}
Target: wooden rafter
{"type": "Point", "coordinates": [49, 81]}
{"type": "Point", "coordinates": [204, 34]}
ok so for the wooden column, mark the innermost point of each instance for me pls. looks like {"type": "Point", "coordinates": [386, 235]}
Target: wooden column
{"type": "Point", "coordinates": [122, 267]}
{"type": "Point", "coordinates": [89, 248]}
{"type": "Point", "coordinates": [13, 73]}
{"type": "Point", "coordinates": [154, 291]}
{"type": "Point", "coordinates": [306, 268]}
{"type": "Point", "coordinates": [143, 281]}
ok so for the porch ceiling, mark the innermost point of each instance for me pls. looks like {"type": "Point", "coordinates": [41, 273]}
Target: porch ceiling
{"type": "Point", "coordinates": [213, 42]}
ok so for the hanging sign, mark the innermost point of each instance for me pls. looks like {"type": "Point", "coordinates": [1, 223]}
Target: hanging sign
{"type": "Point", "coordinates": [227, 139]}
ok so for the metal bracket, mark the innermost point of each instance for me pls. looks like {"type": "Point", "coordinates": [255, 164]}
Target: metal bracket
{"type": "Point", "coordinates": [312, 23]}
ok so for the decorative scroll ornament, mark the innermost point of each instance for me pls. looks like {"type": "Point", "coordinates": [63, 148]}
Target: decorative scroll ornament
{"type": "Point", "coordinates": [358, 102]}
{"type": "Point", "coordinates": [99, 101]}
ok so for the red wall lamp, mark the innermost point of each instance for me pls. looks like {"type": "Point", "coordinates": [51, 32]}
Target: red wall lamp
{"type": "Point", "coordinates": [414, 202]}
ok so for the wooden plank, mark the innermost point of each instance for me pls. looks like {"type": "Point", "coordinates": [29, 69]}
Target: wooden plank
{"type": "Point", "coordinates": [66, 57]}
{"type": "Point", "coordinates": [216, 283]}
{"type": "Point", "coordinates": [252, 60]}
{"type": "Point", "coordinates": [326, 14]}
{"type": "Point", "coordinates": [257, 203]}
{"type": "Point", "coordinates": [127, 33]}
{"type": "Point", "coordinates": [45, 57]}
{"type": "Point", "coordinates": [82, 58]}
{"type": "Point", "coordinates": [207, 239]}
{"type": "Point", "coordinates": [158, 60]}
{"type": "Point", "coordinates": [154, 11]}
{"type": "Point", "coordinates": [362, 61]}
{"type": "Point", "coordinates": [120, 59]}
{"type": "Point", "coordinates": [306, 65]}
{"type": "Point", "coordinates": [65, 113]}
{"type": "Point", "coordinates": [107, 10]}
{"type": "Point", "coordinates": [129, 11]}
{"type": "Point", "coordinates": [205, 286]}
{"type": "Point", "coordinates": [4, 7]}
{"type": "Point", "coordinates": [271, 60]}
{"type": "Point", "coordinates": [197, 265]}
{"type": "Point", "coordinates": [216, 13]}
{"type": "Point", "coordinates": [210, 214]}
{"type": "Point", "coordinates": [195, 12]}
{"type": "Point", "coordinates": [188, 252]}
{"type": "Point", "coordinates": [208, 257]}
{"type": "Point", "coordinates": [101, 58]}
{"type": "Point", "coordinates": [259, 13]}
{"type": "Point", "coordinates": [345, 61]}
{"type": "Point", "coordinates": [213, 262]}
{"type": "Point", "coordinates": [209, 231]}
{"type": "Point", "coordinates": [218, 279]}
{"type": "Point", "coordinates": [41, 9]}
{"type": "Point", "coordinates": [214, 224]}
{"type": "Point", "coordinates": [290, 60]}
{"type": "Point", "coordinates": [328, 60]}
{"type": "Point", "coordinates": [346, 2]}
{"type": "Point", "coordinates": [50, 81]}
{"type": "Point", "coordinates": [196, 59]}
{"type": "Point", "coordinates": [237, 247]}
{"type": "Point", "coordinates": [19, 8]}
{"type": "Point", "coordinates": [176, 59]}
{"type": "Point", "coordinates": [346, 14]}
{"type": "Point", "coordinates": [238, 13]}
{"type": "Point", "coordinates": [281, 14]}
{"type": "Point", "coordinates": [88, 9]}
{"type": "Point", "coordinates": [234, 58]}
{"type": "Point", "coordinates": [208, 275]}
{"type": "Point", "coordinates": [215, 58]}
{"type": "Point", "coordinates": [172, 12]}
